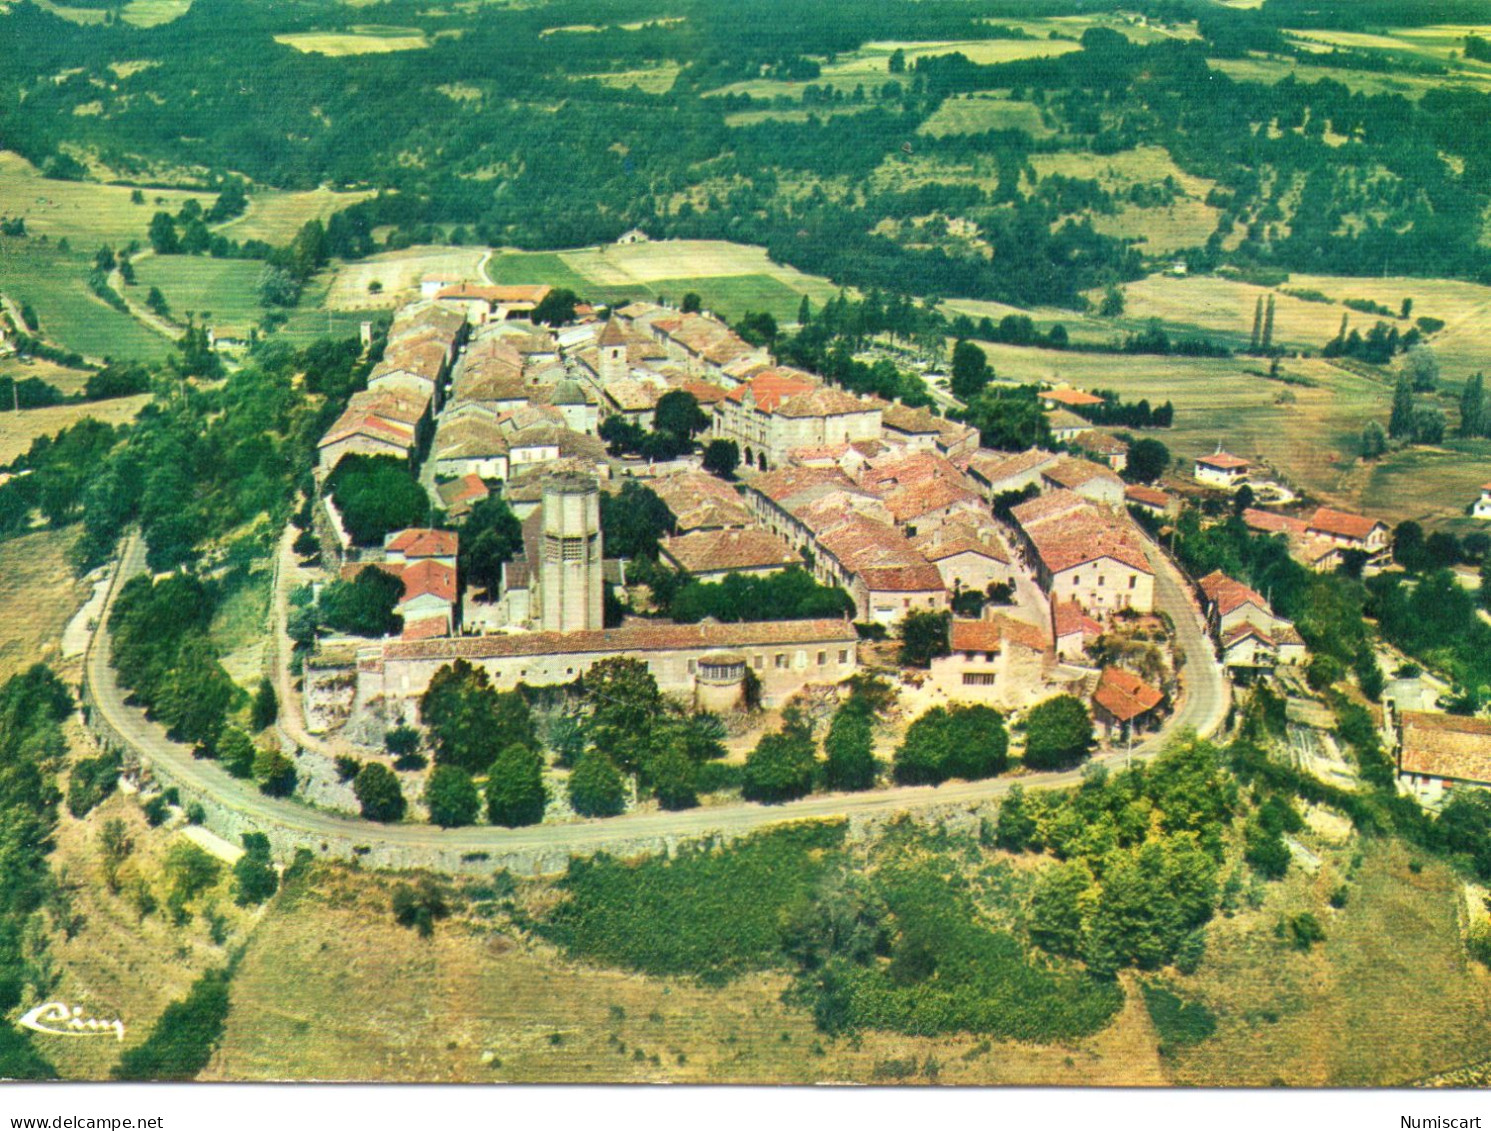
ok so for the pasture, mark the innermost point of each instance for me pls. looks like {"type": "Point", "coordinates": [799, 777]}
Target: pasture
{"type": "Point", "coordinates": [649, 80]}
{"type": "Point", "coordinates": [56, 285]}
{"type": "Point", "coordinates": [1271, 69]}
{"type": "Point", "coordinates": [84, 213]}
{"type": "Point", "coordinates": [19, 429]}
{"type": "Point", "coordinates": [223, 293]}
{"type": "Point", "coordinates": [39, 595]}
{"type": "Point", "coordinates": [153, 13]}
{"type": "Point", "coordinates": [69, 381]}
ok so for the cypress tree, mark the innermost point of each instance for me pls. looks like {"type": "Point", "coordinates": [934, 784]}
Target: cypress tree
{"type": "Point", "coordinates": [1400, 423]}
{"type": "Point", "coordinates": [1473, 407]}
{"type": "Point", "coordinates": [1268, 325]}
{"type": "Point", "coordinates": [1257, 325]}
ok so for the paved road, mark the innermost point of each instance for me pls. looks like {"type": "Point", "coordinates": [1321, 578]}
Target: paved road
{"type": "Point", "coordinates": [1202, 706]}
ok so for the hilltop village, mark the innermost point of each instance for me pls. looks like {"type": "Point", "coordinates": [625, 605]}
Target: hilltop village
{"type": "Point", "coordinates": [1033, 575]}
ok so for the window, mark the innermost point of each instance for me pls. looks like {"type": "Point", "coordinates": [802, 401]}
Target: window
{"type": "Point", "coordinates": [781, 660]}
{"type": "Point", "coordinates": [843, 655]}
{"type": "Point", "coordinates": [1133, 583]}
{"type": "Point", "coordinates": [1102, 581]}
{"type": "Point", "coordinates": [692, 667]}
{"type": "Point", "coordinates": [1076, 580]}
{"type": "Point", "coordinates": [978, 679]}
{"type": "Point", "coordinates": [822, 658]}
{"type": "Point", "coordinates": [574, 549]}
{"type": "Point", "coordinates": [759, 662]}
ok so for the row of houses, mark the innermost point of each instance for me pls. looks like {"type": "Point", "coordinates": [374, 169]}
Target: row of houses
{"type": "Point", "coordinates": [1251, 639]}
{"type": "Point", "coordinates": [1322, 540]}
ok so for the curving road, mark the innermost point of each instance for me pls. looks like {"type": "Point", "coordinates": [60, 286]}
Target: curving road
{"type": "Point", "coordinates": [1202, 706]}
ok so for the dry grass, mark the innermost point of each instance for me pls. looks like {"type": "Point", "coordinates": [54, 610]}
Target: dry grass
{"type": "Point", "coordinates": [38, 594]}
{"type": "Point", "coordinates": [85, 213]}
{"type": "Point", "coordinates": [153, 13]}
{"type": "Point", "coordinates": [118, 964]}
{"type": "Point", "coordinates": [1270, 70]}
{"type": "Point", "coordinates": [68, 380]}
{"type": "Point", "coordinates": [341, 43]}
{"type": "Point", "coordinates": [399, 272]}
{"type": "Point", "coordinates": [650, 80]}
{"type": "Point", "coordinates": [330, 988]}
{"type": "Point", "coordinates": [275, 217]}
{"type": "Point", "coordinates": [18, 429]}
{"type": "Point", "coordinates": [1388, 997]}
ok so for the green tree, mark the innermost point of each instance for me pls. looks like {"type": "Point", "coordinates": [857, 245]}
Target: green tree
{"type": "Point", "coordinates": [692, 303]}
{"type": "Point", "coordinates": [722, 457]}
{"type": "Point", "coordinates": [378, 793]}
{"type": "Point", "coordinates": [1473, 417]}
{"type": "Point", "coordinates": [1147, 461]}
{"type": "Point", "coordinates": [678, 412]}
{"type": "Point", "coordinates": [1056, 907]}
{"type": "Point", "coordinates": [970, 371]}
{"type": "Point", "coordinates": [420, 906]}
{"type": "Point", "coordinates": [275, 773]}
{"type": "Point", "coordinates": [266, 709]}
{"type": "Point", "coordinates": [254, 877]}
{"type": "Point", "coordinates": [672, 775]}
{"type": "Point", "coordinates": [1374, 440]}
{"type": "Point", "coordinates": [1400, 422]}
{"type": "Point", "coordinates": [897, 63]}
{"type": "Point", "coordinates": [1421, 368]}
{"type": "Point", "coordinates": [490, 537]}
{"type": "Point", "coordinates": [918, 760]}
{"type": "Point", "coordinates": [850, 748]}
{"type": "Point", "coordinates": [782, 765]}
{"type": "Point", "coordinates": [365, 605]}
{"type": "Point", "coordinates": [236, 752]}
{"type": "Point", "coordinates": [924, 637]}
{"type": "Point", "coordinates": [1428, 424]}
{"type": "Point", "coordinates": [469, 720]}
{"type": "Point", "coordinates": [1058, 733]}
{"type": "Point", "coordinates": [163, 237]}
{"type": "Point", "coordinates": [516, 794]}
{"type": "Point", "coordinates": [1113, 302]}
{"type": "Point", "coordinates": [977, 745]}
{"type": "Point", "coordinates": [625, 704]}
{"type": "Point", "coordinates": [595, 786]}
{"type": "Point", "coordinates": [451, 797]}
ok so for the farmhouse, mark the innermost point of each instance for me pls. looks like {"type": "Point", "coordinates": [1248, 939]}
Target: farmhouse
{"type": "Point", "coordinates": [458, 496]}
{"type": "Point", "coordinates": [968, 557]}
{"type": "Point", "coordinates": [1251, 638]}
{"type": "Point", "coordinates": [1067, 397]}
{"type": "Point", "coordinates": [1072, 630]}
{"type": "Point", "coordinates": [1090, 480]}
{"type": "Point", "coordinates": [428, 605]}
{"type": "Point", "coordinates": [376, 422]}
{"type": "Point", "coordinates": [1350, 531]}
{"type": "Point", "coordinates": [1481, 508]}
{"type": "Point", "coordinates": [999, 473]}
{"type": "Point", "coordinates": [916, 429]}
{"type": "Point", "coordinates": [1103, 447]}
{"type": "Point", "coordinates": [1066, 425]}
{"type": "Point", "coordinates": [478, 304]}
{"type": "Point", "coordinates": [1123, 704]}
{"type": "Point", "coordinates": [1150, 500]}
{"type": "Point", "coordinates": [1437, 754]}
{"type": "Point", "coordinates": [1085, 553]}
{"type": "Point", "coordinates": [1221, 470]}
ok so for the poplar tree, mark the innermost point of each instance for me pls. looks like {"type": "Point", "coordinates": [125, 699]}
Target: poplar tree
{"type": "Point", "coordinates": [1400, 423]}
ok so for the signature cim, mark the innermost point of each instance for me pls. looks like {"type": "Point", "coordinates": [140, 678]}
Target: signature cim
{"type": "Point", "coordinates": [63, 1020]}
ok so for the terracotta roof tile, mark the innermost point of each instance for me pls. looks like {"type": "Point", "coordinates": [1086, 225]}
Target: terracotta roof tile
{"type": "Point", "coordinates": [429, 577]}
{"type": "Point", "coordinates": [1446, 746]}
{"type": "Point", "coordinates": [1124, 695]}
{"type": "Point", "coordinates": [709, 551]}
{"type": "Point", "coordinates": [1342, 524]}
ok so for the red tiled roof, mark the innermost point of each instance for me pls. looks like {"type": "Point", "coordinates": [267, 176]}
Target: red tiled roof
{"type": "Point", "coordinates": [429, 577]}
{"type": "Point", "coordinates": [1223, 461]}
{"type": "Point", "coordinates": [1272, 523]}
{"type": "Point", "coordinates": [533, 293]}
{"type": "Point", "coordinates": [770, 388]}
{"type": "Point", "coordinates": [1068, 618]}
{"type": "Point", "coordinates": [709, 551]}
{"type": "Point", "coordinates": [975, 636]}
{"type": "Point", "coordinates": [1073, 471]}
{"type": "Point", "coordinates": [1023, 633]}
{"type": "Point", "coordinates": [938, 547]}
{"type": "Point", "coordinates": [613, 334]}
{"type": "Point", "coordinates": [1228, 594]}
{"type": "Point", "coordinates": [1124, 695]}
{"type": "Point", "coordinates": [426, 628]}
{"type": "Point", "coordinates": [1100, 443]}
{"type": "Point", "coordinates": [644, 637]}
{"type": "Point", "coordinates": [1343, 524]}
{"type": "Point", "coordinates": [1070, 397]}
{"type": "Point", "coordinates": [418, 542]}
{"type": "Point", "coordinates": [1150, 496]}
{"type": "Point", "coordinates": [1068, 530]}
{"type": "Point", "coordinates": [1445, 746]}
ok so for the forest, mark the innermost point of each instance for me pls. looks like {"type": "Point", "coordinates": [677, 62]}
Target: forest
{"type": "Point", "coordinates": [1312, 175]}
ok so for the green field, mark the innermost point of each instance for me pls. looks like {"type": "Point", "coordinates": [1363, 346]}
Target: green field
{"type": "Point", "coordinates": [87, 214]}
{"type": "Point", "coordinates": [979, 113]}
{"type": "Point", "coordinates": [729, 278]}
{"type": "Point", "coordinates": [371, 40]}
{"type": "Point", "coordinates": [56, 285]}
{"type": "Point", "coordinates": [223, 293]}
{"type": "Point", "coordinates": [275, 217]}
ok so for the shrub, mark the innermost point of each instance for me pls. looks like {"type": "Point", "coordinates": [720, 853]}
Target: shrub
{"type": "Point", "coordinates": [516, 794]}
{"type": "Point", "coordinates": [595, 786]}
{"type": "Point", "coordinates": [379, 794]}
{"type": "Point", "coordinates": [254, 877]}
{"type": "Point", "coordinates": [1058, 733]}
{"type": "Point", "coordinates": [452, 798]}
{"type": "Point", "coordinates": [1305, 931]}
{"type": "Point", "coordinates": [91, 782]}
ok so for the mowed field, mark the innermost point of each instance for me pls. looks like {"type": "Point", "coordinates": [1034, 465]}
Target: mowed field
{"type": "Point", "coordinates": [18, 429]}
{"type": "Point", "coordinates": [67, 380]}
{"type": "Point", "coordinates": [224, 293]}
{"type": "Point", "coordinates": [331, 989]}
{"type": "Point", "coordinates": [86, 214]}
{"type": "Point", "coordinates": [730, 278]}
{"type": "Point", "coordinates": [398, 274]}
{"type": "Point", "coordinates": [1388, 997]}
{"type": "Point", "coordinates": [979, 113]}
{"type": "Point", "coordinates": [275, 217]}
{"type": "Point", "coordinates": [55, 284]}
{"type": "Point", "coordinates": [38, 595]}
{"type": "Point", "coordinates": [1221, 306]}
{"type": "Point", "coordinates": [1312, 441]}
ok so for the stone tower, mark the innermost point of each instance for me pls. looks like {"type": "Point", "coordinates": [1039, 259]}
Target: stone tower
{"type": "Point", "coordinates": [570, 581]}
{"type": "Point", "coordinates": [614, 365]}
